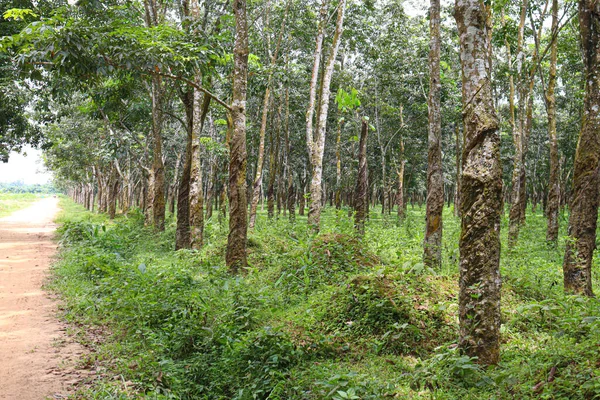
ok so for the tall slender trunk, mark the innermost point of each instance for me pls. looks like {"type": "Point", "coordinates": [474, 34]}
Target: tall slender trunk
{"type": "Point", "coordinates": [458, 171]}
{"type": "Point", "coordinates": [113, 184]}
{"type": "Point", "coordinates": [312, 98]}
{"type": "Point", "coordinates": [238, 225]}
{"type": "Point", "coordinates": [518, 130]}
{"type": "Point", "coordinates": [400, 172]}
{"type": "Point", "coordinates": [553, 183]}
{"type": "Point", "coordinates": [213, 172]}
{"type": "Point", "coordinates": [256, 188]}
{"type": "Point", "coordinates": [149, 198]}
{"type": "Point", "coordinates": [361, 192]}
{"type": "Point", "coordinates": [432, 243]}
{"type": "Point", "coordinates": [273, 166]}
{"type": "Point", "coordinates": [158, 167]}
{"type": "Point", "coordinates": [201, 106]}
{"type": "Point", "coordinates": [479, 296]}
{"type": "Point", "coordinates": [338, 165]}
{"type": "Point", "coordinates": [99, 175]}
{"type": "Point", "coordinates": [157, 180]}
{"type": "Point", "coordinates": [182, 235]}
{"type": "Point", "coordinates": [210, 192]}
{"type": "Point", "coordinates": [579, 253]}
{"type": "Point", "coordinates": [316, 141]}
{"type": "Point", "coordinates": [525, 145]}
{"type": "Point", "coordinates": [173, 187]}
{"type": "Point", "coordinates": [93, 199]}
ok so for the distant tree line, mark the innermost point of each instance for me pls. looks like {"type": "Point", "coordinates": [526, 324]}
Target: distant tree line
{"type": "Point", "coordinates": [21, 187]}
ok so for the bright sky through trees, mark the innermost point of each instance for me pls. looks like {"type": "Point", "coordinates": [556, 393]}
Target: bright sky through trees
{"type": "Point", "coordinates": [26, 167]}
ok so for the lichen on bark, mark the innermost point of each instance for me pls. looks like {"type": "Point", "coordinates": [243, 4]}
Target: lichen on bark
{"type": "Point", "coordinates": [481, 191]}
{"type": "Point", "coordinates": [580, 247]}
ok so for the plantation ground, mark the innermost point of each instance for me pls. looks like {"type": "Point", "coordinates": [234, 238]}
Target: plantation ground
{"type": "Point", "coordinates": [325, 317]}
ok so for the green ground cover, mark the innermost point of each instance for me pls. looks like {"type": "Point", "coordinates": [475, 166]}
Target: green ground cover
{"type": "Point", "coordinates": [325, 317]}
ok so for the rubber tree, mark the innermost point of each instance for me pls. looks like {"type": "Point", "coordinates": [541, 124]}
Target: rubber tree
{"type": "Point", "coordinates": [238, 226]}
{"type": "Point", "coordinates": [481, 190]}
{"type": "Point", "coordinates": [553, 183]}
{"type": "Point", "coordinates": [315, 138]}
{"type": "Point", "coordinates": [579, 253]}
{"type": "Point", "coordinates": [432, 243]}
{"type": "Point", "coordinates": [156, 214]}
{"type": "Point", "coordinates": [361, 193]}
{"type": "Point", "coordinates": [257, 184]}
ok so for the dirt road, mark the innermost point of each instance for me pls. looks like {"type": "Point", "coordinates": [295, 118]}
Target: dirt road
{"type": "Point", "coordinates": [36, 356]}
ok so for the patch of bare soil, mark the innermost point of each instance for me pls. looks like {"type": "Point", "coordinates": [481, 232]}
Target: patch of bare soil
{"type": "Point", "coordinates": [37, 358]}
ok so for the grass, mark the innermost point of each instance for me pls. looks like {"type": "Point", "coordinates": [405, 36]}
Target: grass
{"type": "Point", "coordinates": [325, 317]}
{"type": "Point", "coordinates": [11, 202]}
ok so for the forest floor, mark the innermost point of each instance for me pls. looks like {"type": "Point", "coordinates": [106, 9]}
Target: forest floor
{"type": "Point", "coordinates": [38, 357]}
{"type": "Point", "coordinates": [330, 316]}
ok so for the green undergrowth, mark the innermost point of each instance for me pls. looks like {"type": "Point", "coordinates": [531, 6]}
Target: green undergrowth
{"type": "Point", "coordinates": [330, 316]}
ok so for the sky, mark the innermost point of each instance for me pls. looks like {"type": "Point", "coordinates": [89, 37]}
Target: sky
{"type": "Point", "coordinates": [27, 167]}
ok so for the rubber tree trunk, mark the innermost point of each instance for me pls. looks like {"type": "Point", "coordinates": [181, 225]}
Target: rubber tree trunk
{"type": "Point", "coordinates": [182, 235]}
{"type": "Point", "coordinates": [158, 168]}
{"type": "Point", "coordinates": [518, 126]}
{"type": "Point", "coordinates": [400, 172]}
{"type": "Point", "coordinates": [361, 192]}
{"type": "Point", "coordinates": [157, 197]}
{"type": "Point", "coordinates": [113, 185]}
{"type": "Point", "coordinates": [400, 192]}
{"type": "Point", "coordinates": [212, 175]}
{"type": "Point", "coordinates": [432, 243]}
{"type": "Point", "coordinates": [98, 175]}
{"type": "Point", "coordinates": [316, 141]}
{"type": "Point", "coordinates": [458, 170]}
{"type": "Point", "coordinates": [289, 181]}
{"type": "Point", "coordinates": [481, 192]}
{"type": "Point", "coordinates": [238, 226]}
{"type": "Point", "coordinates": [273, 166]}
{"type": "Point", "coordinates": [201, 105]}
{"type": "Point", "coordinates": [338, 165]}
{"type": "Point", "coordinates": [257, 184]}
{"type": "Point", "coordinates": [579, 253]}
{"type": "Point", "coordinates": [553, 183]}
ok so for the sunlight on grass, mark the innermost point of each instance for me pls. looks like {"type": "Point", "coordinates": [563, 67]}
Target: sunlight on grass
{"type": "Point", "coordinates": [11, 202]}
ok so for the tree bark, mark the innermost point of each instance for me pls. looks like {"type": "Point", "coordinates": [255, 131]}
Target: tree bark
{"type": "Point", "coordinates": [400, 172]}
{"type": "Point", "coordinates": [316, 141]}
{"type": "Point", "coordinates": [256, 188]}
{"type": "Point", "coordinates": [338, 165]}
{"type": "Point", "coordinates": [182, 235]}
{"type": "Point", "coordinates": [173, 188]}
{"type": "Point", "coordinates": [518, 133]}
{"type": "Point", "coordinates": [362, 181]}
{"type": "Point", "coordinates": [273, 167]}
{"type": "Point", "coordinates": [480, 282]}
{"type": "Point", "coordinates": [458, 171]}
{"type": "Point", "coordinates": [113, 185]}
{"type": "Point", "coordinates": [312, 99]}
{"type": "Point", "coordinates": [238, 226]}
{"type": "Point", "coordinates": [432, 244]}
{"type": "Point", "coordinates": [201, 106]}
{"type": "Point", "coordinates": [553, 183]}
{"type": "Point", "coordinates": [400, 193]}
{"type": "Point", "coordinates": [158, 167]}
{"type": "Point", "coordinates": [580, 248]}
